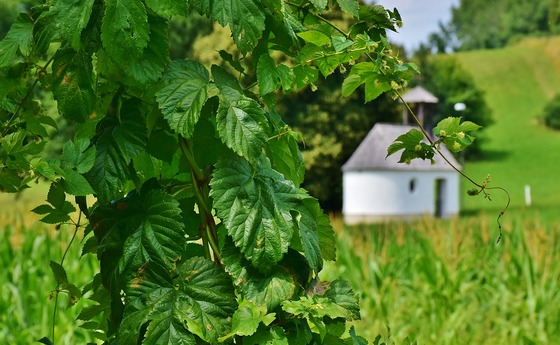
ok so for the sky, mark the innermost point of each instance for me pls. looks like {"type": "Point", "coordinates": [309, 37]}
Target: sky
{"type": "Point", "coordinates": [420, 18]}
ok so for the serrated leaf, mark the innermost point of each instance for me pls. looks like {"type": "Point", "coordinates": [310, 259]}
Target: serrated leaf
{"type": "Point", "coordinates": [158, 235]}
{"type": "Point", "coordinates": [72, 82]}
{"type": "Point", "coordinates": [349, 6]}
{"type": "Point", "coordinates": [203, 301]}
{"type": "Point", "coordinates": [273, 336]}
{"type": "Point", "coordinates": [70, 18]}
{"type": "Point", "coordinates": [342, 295]}
{"type": "Point", "coordinates": [454, 134]}
{"type": "Point", "coordinates": [247, 319]}
{"type": "Point", "coordinates": [305, 75]}
{"type": "Point", "coordinates": [262, 289]}
{"type": "Point", "coordinates": [118, 143]}
{"type": "Point", "coordinates": [286, 157]}
{"type": "Point", "coordinates": [365, 73]}
{"type": "Point", "coordinates": [125, 30]}
{"type": "Point", "coordinates": [468, 126]}
{"type": "Point", "coordinates": [59, 273]}
{"type": "Point", "coordinates": [255, 205]}
{"type": "Point", "coordinates": [316, 233]}
{"type": "Point", "coordinates": [146, 70]}
{"type": "Point", "coordinates": [78, 155]}
{"type": "Point", "coordinates": [43, 209]}
{"type": "Point", "coordinates": [315, 37]}
{"type": "Point", "coordinates": [340, 43]}
{"type": "Point", "coordinates": [271, 77]}
{"type": "Point", "coordinates": [320, 5]}
{"type": "Point", "coordinates": [242, 125]}
{"type": "Point", "coordinates": [412, 146]}
{"type": "Point", "coordinates": [19, 39]}
{"type": "Point", "coordinates": [182, 95]}
{"type": "Point", "coordinates": [56, 195]}
{"type": "Point", "coordinates": [244, 17]}
{"type": "Point", "coordinates": [168, 8]}
{"type": "Point", "coordinates": [75, 183]}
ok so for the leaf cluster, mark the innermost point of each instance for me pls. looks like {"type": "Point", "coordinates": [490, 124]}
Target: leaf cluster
{"type": "Point", "coordinates": [200, 224]}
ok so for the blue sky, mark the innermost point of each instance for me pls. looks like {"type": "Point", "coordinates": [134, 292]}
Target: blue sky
{"type": "Point", "coordinates": [420, 18]}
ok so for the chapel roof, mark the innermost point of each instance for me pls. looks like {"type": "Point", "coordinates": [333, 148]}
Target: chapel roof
{"type": "Point", "coordinates": [371, 153]}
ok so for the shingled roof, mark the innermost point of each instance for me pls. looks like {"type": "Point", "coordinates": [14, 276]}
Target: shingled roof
{"type": "Point", "coordinates": [371, 153]}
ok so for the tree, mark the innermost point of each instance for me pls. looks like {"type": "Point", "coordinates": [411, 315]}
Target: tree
{"type": "Point", "coordinates": [444, 76]}
{"type": "Point", "coordinates": [551, 113]}
{"type": "Point", "coordinates": [200, 225]}
{"type": "Point", "coordinates": [478, 24]}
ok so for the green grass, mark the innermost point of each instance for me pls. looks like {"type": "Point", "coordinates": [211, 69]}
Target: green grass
{"type": "Point", "coordinates": [27, 284]}
{"type": "Point", "coordinates": [447, 282]}
{"type": "Point", "coordinates": [518, 81]}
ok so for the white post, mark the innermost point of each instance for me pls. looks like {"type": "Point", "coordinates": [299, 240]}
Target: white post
{"type": "Point", "coordinates": [527, 195]}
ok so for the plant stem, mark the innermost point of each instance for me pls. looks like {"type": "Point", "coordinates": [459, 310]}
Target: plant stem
{"type": "Point", "coordinates": [208, 230]}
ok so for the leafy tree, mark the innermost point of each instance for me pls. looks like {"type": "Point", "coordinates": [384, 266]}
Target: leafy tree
{"type": "Point", "coordinates": [479, 24]}
{"type": "Point", "coordinates": [444, 76]}
{"type": "Point", "coordinates": [200, 224]}
{"type": "Point", "coordinates": [332, 127]}
{"type": "Point", "coordinates": [551, 113]}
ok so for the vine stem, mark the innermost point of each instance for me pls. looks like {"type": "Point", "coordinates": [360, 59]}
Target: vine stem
{"type": "Point", "coordinates": [55, 309]}
{"type": "Point", "coordinates": [483, 187]}
{"type": "Point", "coordinates": [209, 233]}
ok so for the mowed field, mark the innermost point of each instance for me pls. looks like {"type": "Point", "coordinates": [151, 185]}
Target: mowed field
{"type": "Point", "coordinates": [518, 81]}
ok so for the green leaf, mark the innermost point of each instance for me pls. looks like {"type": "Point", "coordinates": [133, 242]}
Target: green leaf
{"type": "Point", "coordinates": [286, 157]}
{"type": "Point", "coordinates": [79, 155]}
{"type": "Point", "coordinates": [365, 73]}
{"type": "Point", "coordinates": [247, 319]}
{"type": "Point", "coordinates": [117, 144]}
{"type": "Point", "coordinates": [243, 127]}
{"type": "Point", "coordinates": [255, 205]}
{"type": "Point", "coordinates": [454, 134]}
{"type": "Point", "coordinates": [411, 143]}
{"type": "Point", "coordinates": [18, 40]}
{"type": "Point", "coordinates": [199, 301]}
{"type": "Point", "coordinates": [349, 6]}
{"type": "Point", "coordinates": [342, 294]}
{"type": "Point", "coordinates": [70, 18]}
{"type": "Point", "coordinates": [75, 183]}
{"type": "Point", "coordinates": [273, 336]}
{"type": "Point", "coordinates": [262, 289]}
{"type": "Point", "coordinates": [305, 75]}
{"type": "Point", "coordinates": [182, 95]}
{"type": "Point", "coordinates": [316, 233]}
{"type": "Point", "coordinates": [315, 37]}
{"type": "Point", "coordinates": [148, 69]}
{"type": "Point", "coordinates": [125, 30]}
{"type": "Point", "coordinates": [72, 82]}
{"type": "Point", "coordinates": [59, 273]}
{"type": "Point", "coordinates": [158, 235]}
{"type": "Point", "coordinates": [244, 17]}
{"type": "Point", "coordinates": [271, 77]}
{"type": "Point", "coordinates": [320, 5]}
{"type": "Point", "coordinates": [168, 8]}
{"type": "Point", "coordinates": [340, 43]}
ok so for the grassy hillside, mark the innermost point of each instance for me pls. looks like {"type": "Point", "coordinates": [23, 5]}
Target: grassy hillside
{"type": "Point", "coordinates": [518, 81]}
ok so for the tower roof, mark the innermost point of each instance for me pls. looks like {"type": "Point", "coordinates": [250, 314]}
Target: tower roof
{"type": "Point", "coordinates": [419, 95]}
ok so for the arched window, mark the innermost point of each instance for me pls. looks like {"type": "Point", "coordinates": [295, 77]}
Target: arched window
{"type": "Point", "coordinates": [412, 185]}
